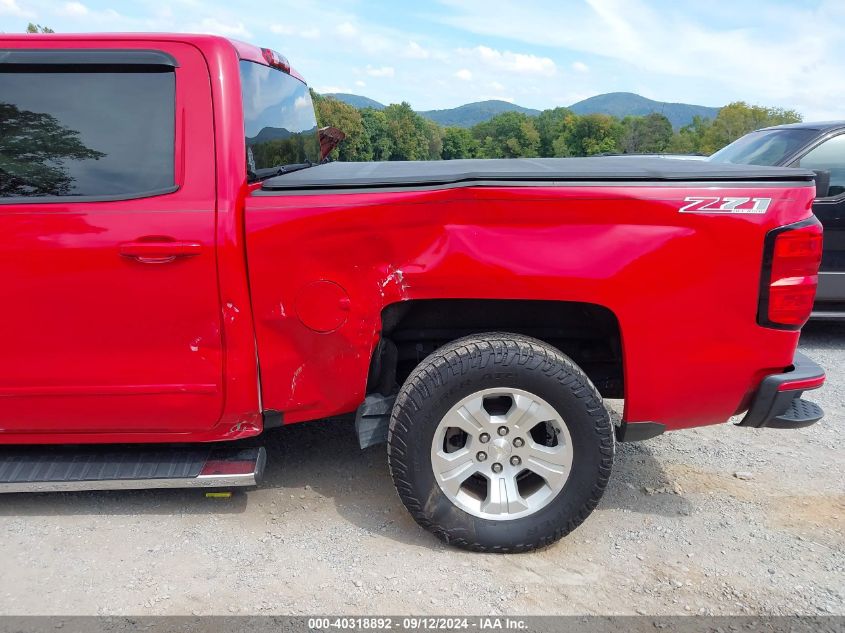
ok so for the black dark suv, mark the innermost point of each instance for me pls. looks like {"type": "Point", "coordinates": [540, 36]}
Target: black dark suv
{"type": "Point", "coordinates": [820, 147]}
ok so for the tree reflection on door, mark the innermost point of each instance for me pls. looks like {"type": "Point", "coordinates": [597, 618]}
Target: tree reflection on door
{"type": "Point", "coordinates": [33, 149]}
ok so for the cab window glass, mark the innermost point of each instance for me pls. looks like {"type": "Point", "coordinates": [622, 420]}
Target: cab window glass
{"type": "Point", "coordinates": [70, 131]}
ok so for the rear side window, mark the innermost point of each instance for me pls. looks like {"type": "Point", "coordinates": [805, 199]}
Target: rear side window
{"type": "Point", "coordinates": [104, 131]}
{"type": "Point", "coordinates": [279, 121]}
{"type": "Point", "coordinates": [830, 155]}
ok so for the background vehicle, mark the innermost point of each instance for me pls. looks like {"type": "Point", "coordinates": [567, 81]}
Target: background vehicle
{"type": "Point", "coordinates": [179, 269]}
{"type": "Point", "coordinates": [820, 147]}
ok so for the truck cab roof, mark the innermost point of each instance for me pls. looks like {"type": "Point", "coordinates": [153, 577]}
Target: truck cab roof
{"type": "Point", "coordinates": [244, 50]}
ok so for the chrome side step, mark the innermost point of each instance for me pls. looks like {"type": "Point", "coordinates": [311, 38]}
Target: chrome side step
{"type": "Point", "coordinates": [71, 468]}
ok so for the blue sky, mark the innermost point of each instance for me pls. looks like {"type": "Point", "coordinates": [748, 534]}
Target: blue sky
{"type": "Point", "coordinates": [537, 53]}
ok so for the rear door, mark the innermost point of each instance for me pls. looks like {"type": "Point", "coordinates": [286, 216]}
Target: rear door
{"type": "Point", "coordinates": [830, 156]}
{"type": "Point", "coordinates": [110, 317]}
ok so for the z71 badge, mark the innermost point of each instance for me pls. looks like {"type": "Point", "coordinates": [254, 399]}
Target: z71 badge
{"type": "Point", "coordinates": [702, 204]}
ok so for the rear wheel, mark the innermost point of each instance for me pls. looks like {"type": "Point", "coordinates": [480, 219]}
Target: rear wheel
{"type": "Point", "coordinates": [499, 442]}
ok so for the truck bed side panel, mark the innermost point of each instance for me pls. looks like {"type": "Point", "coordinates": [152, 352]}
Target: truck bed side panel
{"type": "Point", "coordinates": [684, 286]}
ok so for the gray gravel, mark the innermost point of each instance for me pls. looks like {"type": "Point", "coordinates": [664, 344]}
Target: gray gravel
{"type": "Point", "coordinates": [719, 520]}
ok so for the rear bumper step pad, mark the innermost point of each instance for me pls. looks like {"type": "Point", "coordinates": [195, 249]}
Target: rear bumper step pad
{"type": "Point", "coordinates": [799, 414]}
{"type": "Point", "coordinates": [778, 403]}
{"type": "Point", "coordinates": [69, 468]}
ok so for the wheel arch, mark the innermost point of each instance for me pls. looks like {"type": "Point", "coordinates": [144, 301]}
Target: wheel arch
{"type": "Point", "coordinates": [588, 333]}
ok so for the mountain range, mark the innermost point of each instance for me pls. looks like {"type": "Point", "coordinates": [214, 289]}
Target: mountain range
{"type": "Point", "coordinates": [619, 104]}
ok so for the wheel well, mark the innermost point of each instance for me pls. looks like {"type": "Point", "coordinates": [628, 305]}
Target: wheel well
{"type": "Point", "coordinates": [411, 330]}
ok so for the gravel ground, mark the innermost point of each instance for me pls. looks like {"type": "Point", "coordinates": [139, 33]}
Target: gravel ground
{"type": "Point", "coordinates": [677, 532]}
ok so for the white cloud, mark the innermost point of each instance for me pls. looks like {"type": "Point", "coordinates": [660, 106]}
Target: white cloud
{"type": "Point", "coordinates": [415, 51]}
{"type": "Point", "coordinates": [580, 67]}
{"type": "Point", "coordinates": [384, 71]}
{"type": "Point", "coordinates": [74, 9]}
{"type": "Point", "coordinates": [360, 84]}
{"type": "Point", "coordinates": [495, 85]}
{"type": "Point", "coordinates": [464, 74]}
{"type": "Point", "coordinates": [301, 102]}
{"type": "Point", "coordinates": [216, 27]}
{"type": "Point", "coordinates": [163, 12]}
{"type": "Point", "coordinates": [288, 29]}
{"type": "Point", "coordinates": [523, 63]}
{"type": "Point", "coordinates": [347, 29]}
{"type": "Point", "coordinates": [332, 89]}
{"type": "Point", "coordinates": [359, 40]}
{"type": "Point", "coordinates": [11, 7]}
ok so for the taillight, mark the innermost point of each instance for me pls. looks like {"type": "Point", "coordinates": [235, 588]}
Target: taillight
{"type": "Point", "coordinates": [791, 258]}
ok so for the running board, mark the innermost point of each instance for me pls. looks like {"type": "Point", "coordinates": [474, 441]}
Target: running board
{"type": "Point", "coordinates": [126, 467]}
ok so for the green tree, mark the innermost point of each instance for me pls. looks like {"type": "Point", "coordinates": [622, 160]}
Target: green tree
{"type": "Point", "coordinates": [508, 135]}
{"type": "Point", "coordinates": [408, 131]}
{"type": "Point", "coordinates": [356, 146]}
{"type": "Point", "coordinates": [594, 134]}
{"type": "Point", "coordinates": [650, 134]}
{"type": "Point", "coordinates": [375, 127]}
{"type": "Point", "coordinates": [434, 134]}
{"type": "Point", "coordinates": [458, 142]}
{"type": "Point", "coordinates": [34, 148]}
{"type": "Point", "coordinates": [689, 139]}
{"type": "Point", "coordinates": [739, 118]}
{"type": "Point", "coordinates": [553, 127]}
{"type": "Point", "coordinates": [37, 28]}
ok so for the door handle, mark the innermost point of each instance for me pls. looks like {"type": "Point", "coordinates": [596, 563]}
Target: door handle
{"type": "Point", "coordinates": [159, 251]}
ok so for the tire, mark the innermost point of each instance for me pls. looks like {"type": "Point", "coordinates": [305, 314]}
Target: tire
{"type": "Point", "coordinates": [531, 509]}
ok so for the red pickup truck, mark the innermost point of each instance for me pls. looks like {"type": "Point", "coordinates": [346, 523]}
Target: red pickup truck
{"type": "Point", "coordinates": [182, 271]}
